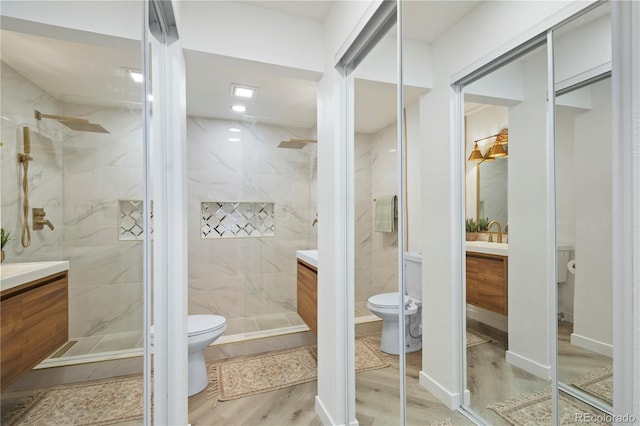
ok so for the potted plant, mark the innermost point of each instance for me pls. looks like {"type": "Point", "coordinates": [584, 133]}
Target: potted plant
{"type": "Point", "coordinates": [5, 237]}
{"type": "Point", "coordinates": [471, 227]}
{"type": "Point", "coordinates": [483, 224]}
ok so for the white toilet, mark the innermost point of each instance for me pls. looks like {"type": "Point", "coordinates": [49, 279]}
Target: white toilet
{"type": "Point", "coordinates": [385, 306]}
{"type": "Point", "coordinates": [202, 330]}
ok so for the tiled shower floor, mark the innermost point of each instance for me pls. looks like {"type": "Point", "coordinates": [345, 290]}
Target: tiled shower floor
{"type": "Point", "coordinates": [237, 328]}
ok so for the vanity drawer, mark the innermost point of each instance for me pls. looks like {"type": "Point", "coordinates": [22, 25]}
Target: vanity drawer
{"type": "Point", "coordinates": [487, 283]}
{"type": "Point", "coordinates": [308, 295]}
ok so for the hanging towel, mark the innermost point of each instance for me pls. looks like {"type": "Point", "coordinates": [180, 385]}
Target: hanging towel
{"type": "Point", "coordinates": [385, 214]}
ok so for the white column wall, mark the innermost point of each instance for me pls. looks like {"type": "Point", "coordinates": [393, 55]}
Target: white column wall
{"type": "Point", "coordinates": [529, 311]}
{"type": "Point", "coordinates": [593, 316]}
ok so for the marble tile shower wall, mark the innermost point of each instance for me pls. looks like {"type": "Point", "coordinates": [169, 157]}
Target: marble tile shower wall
{"type": "Point", "coordinates": [363, 220]}
{"type": "Point", "coordinates": [105, 292]}
{"type": "Point", "coordinates": [19, 99]}
{"type": "Point", "coordinates": [376, 252]}
{"type": "Point", "coordinates": [384, 182]}
{"type": "Point", "coordinates": [241, 278]}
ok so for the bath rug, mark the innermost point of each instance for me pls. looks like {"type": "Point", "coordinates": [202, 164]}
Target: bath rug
{"type": "Point", "coordinates": [535, 409]}
{"type": "Point", "coordinates": [96, 403]}
{"type": "Point", "coordinates": [445, 422]}
{"type": "Point", "coordinates": [254, 374]}
{"type": "Point", "coordinates": [598, 383]}
{"type": "Point", "coordinates": [474, 338]}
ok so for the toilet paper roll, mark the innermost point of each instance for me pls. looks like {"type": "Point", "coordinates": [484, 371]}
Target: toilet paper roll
{"type": "Point", "coordinates": [571, 266]}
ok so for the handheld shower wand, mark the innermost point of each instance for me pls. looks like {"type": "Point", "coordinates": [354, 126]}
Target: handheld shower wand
{"type": "Point", "coordinates": [24, 159]}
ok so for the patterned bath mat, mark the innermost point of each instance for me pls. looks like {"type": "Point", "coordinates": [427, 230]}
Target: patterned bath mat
{"type": "Point", "coordinates": [474, 338]}
{"type": "Point", "coordinates": [97, 403]}
{"type": "Point", "coordinates": [598, 383]}
{"type": "Point", "coordinates": [240, 377]}
{"type": "Point", "coordinates": [535, 409]}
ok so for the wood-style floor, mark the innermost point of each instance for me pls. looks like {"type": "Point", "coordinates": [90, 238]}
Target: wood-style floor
{"type": "Point", "coordinates": [490, 380]}
{"type": "Point", "coordinates": [377, 403]}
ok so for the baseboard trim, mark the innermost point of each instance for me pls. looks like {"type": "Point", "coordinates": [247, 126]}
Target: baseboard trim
{"type": "Point", "coordinates": [324, 415]}
{"type": "Point", "coordinates": [592, 345]}
{"type": "Point", "coordinates": [451, 400]}
{"type": "Point", "coordinates": [487, 317]}
{"type": "Point", "coordinates": [524, 363]}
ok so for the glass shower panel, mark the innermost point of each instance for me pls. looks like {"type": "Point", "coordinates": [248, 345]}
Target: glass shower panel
{"type": "Point", "coordinates": [252, 192]}
{"type": "Point", "coordinates": [71, 93]}
{"type": "Point", "coordinates": [86, 173]}
{"type": "Point", "coordinates": [376, 293]}
{"type": "Point", "coordinates": [583, 197]}
{"type": "Point", "coordinates": [508, 308]}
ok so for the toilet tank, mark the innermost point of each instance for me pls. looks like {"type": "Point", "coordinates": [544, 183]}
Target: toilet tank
{"type": "Point", "coordinates": [413, 274]}
{"type": "Point", "coordinates": [564, 251]}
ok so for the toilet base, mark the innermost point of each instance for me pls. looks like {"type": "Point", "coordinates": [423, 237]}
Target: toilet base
{"type": "Point", "coordinates": [390, 340]}
{"type": "Point", "coordinates": [198, 378]}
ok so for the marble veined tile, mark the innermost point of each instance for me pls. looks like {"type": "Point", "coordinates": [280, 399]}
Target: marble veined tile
{"type": "Point", "coordinates": [104, 310]}
{"type": "Point", "coordinates": [118, 342]}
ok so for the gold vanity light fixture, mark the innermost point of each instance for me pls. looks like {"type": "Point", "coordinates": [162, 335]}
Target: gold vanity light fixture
{"type": "Point", "coordinates": [496, 150]}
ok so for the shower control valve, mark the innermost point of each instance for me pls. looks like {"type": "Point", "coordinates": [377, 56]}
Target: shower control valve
{"type": "Point", "coordinates": [38, 219]}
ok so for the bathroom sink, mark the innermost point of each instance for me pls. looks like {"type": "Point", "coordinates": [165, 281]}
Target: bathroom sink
{"type": "Point", "coordinates": [15, 274]}
{"type": "Point", "coordinates": [500, 249]}
{"type": "Point", "coordinates": [309, 256]}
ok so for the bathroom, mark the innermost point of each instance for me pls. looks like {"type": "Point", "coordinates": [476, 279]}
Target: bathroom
{"type": "Point", "coordinates": [432, 235]}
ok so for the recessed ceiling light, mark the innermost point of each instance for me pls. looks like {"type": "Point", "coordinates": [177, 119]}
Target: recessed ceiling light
{"type": "Point", "coordinates": [234, 129]}
{"type": "Point", "coordinates": [242, 91]}
{"type": "Point", "coordinates": [239, 108]}
{"type": "Point", "coordinates": [136, 76]}
{"type": "Point", "coordinates": [234, 139]}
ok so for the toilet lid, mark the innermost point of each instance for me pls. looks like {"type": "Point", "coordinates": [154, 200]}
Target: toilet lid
{"type": "Point", "coordinates": [200, 324]}
{"type": "Point", "coordinates": [385, 300]}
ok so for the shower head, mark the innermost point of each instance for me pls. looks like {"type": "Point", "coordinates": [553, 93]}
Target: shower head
{"type": "Point", "coordinates": [77, 124]}
{"type": "Point", "coordinates": [296, 143]}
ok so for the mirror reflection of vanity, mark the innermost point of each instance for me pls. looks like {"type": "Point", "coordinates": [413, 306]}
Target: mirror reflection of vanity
{"type": "Point", "coordinates": [486, 176]}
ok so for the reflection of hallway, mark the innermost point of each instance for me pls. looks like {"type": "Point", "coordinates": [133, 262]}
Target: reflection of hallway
{"type": "Point", "coordinates": [491, 380]}
{"type": "Point", "coordinates": [378, 396]}
{"type": "Point", "coordinates": [574, 361]}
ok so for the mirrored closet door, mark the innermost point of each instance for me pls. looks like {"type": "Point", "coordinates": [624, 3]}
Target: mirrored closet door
{"type": "Point", "coordinates": [508, 293]}
{"type": "Point", "coordinates": [584, 221]}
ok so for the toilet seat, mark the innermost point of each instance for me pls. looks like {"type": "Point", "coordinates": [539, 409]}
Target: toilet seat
{"type": "Point", "coordinates": [388, 303]}
{"type": "Point", "coordinates": [388, 300]}
{"type": "Point", "coordinates": [204, 324]}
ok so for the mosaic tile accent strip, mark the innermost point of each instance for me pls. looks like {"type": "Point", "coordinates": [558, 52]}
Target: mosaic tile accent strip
{"type": "Point", "coordinates": [237, 219]}
{"type": "Point", "coordinates": [130, 226]}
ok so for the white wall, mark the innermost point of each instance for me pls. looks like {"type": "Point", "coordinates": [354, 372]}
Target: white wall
{"type": "Point", "coordinates": [565, 200]}
{"type": "Point", "coordinates": [529, 307]}
{"type": "Point", "coordinates": [593, 327]}
{"type": "Point", "coordinates": [264, 35]}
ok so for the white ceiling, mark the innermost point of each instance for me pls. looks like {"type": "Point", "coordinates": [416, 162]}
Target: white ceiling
{"type": "Point", "coordinates": [73, 71]}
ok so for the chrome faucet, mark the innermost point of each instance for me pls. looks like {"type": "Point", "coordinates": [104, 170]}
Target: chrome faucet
{"type": "Point", "coordinates": [499, 230]}
{"type": "Point", "coordinates": [39, 221]}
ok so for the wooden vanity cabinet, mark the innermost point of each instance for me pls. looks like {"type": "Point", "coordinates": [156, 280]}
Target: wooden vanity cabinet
{"type": "Point", "coordinates": [308, 295]}
{"type": "Point", "coordinates": [35, 322]}
{"type": "Point", "coordinates": [487, 281]}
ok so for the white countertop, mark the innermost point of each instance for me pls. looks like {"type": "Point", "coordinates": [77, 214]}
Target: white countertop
{"type": "Point", "coordinates": [500, 249]}
{"type": "Point", "coordinates": [309, 256]}
{"type": "Point", "coordinates": [15, 274]}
